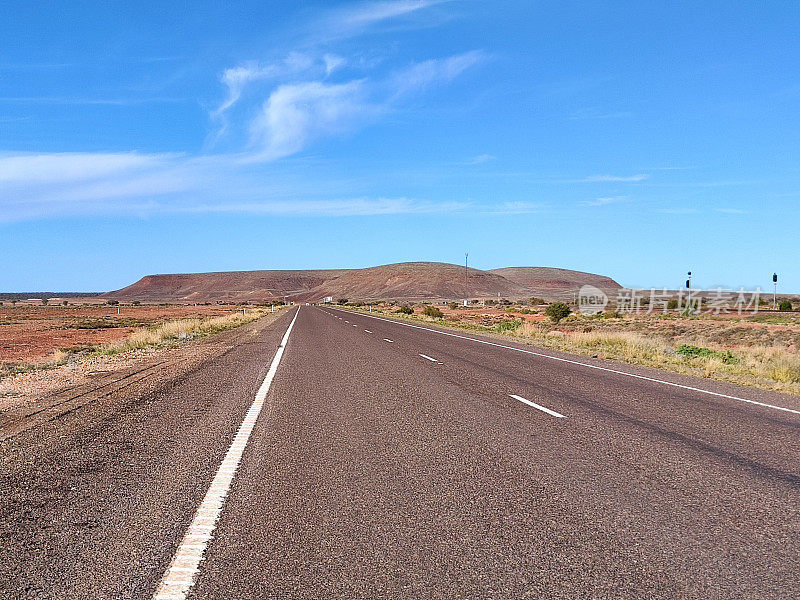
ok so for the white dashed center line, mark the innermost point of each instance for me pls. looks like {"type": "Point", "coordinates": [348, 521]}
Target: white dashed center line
{"type": "Point", "coordinates": [552, 413]}
{"type": "Point", "coordinates": [388, 340]}
{"type": "Point", "coordinates": [367, 331]}
{"type": "Point", "coordinates": [425, 356]}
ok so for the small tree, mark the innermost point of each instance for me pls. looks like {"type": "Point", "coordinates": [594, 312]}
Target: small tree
{"type": "Point", "coordinates": [406, 310]}
{"type": "Point", "coordinates": [432, 311]}
{"type": "Point", "coordinates": [342, 301]}
{"type": "Point", "coordinates": [785, 305]}
{"type": "Point", "coordinates": [453, 305]}
{"type": "Point", "coordinates": [557, 311]}
{"type": "Point", "coordinates": [65, 303]}
{"type": "Point", "coordinates": [45, 301]}
{"type": "Point", "coordinates": [112, 302]}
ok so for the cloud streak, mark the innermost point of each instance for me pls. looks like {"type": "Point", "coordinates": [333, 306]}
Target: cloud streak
{"type": "Point", "coordinates": [616, 178]}
{"type": "Point", "coordinates": [605, 201]}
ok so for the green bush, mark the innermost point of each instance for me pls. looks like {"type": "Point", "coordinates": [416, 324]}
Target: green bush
{"type": "Point", "coordinates": [342, 301]}
{"type": "Point", "coordinates": [557, 311]}
{"type": "Point", "coordinates": [432, 311]}
{"type": "Point", "coordinates": [453, 305]}
{"type": "Point", "coordinates": [672, 304]}
{"type": "Point", "coordinates": [406, 310]}
{"type": "Point", "coordinates": [536, 300]}
{"type": "Point", "coordinates": [699, 352]}
{"type": "Point", "coordinates": [785, 305]}
{"type": "Point", "coordinates": [509, 325]}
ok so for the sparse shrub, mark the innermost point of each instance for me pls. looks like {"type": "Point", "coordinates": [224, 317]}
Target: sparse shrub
{"type": "Point", "coordinates": [672, 304]}
{"type": "Point", "coordinates": [726, 356]}
{"type": "Point", "coordinates": [610, 314]}
{"type": "Point", "coordinates": [406, 310]}
{"type": "Point", "coordinates": [342, 301]}
{"type": "Point", "coordinates": [785, 305]}
{"type": "Point", "coordinates": [453, 305]}
{"type": "Point", "coordinates": [557, 311]}
{"type": "Point", "coordinates": [113, 302]}
{"type": "Point", "coordinates": [65, 303]}
{"type": "Point", "coordinates": [536, 300]}
{"type": "Point", "coordinates": [45, 301]}
{"type": "Point", "coordinates": [508, 325]}
{"type": "Point", "coordinates": [137, 303]}
{"type": "Point", "coordinates": [432, 311]}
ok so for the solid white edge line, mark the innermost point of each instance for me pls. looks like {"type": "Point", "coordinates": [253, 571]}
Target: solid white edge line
{"type": "Point", "coordinates": [539, 406]}
{"type": "Point", "coordinates": [598, 367]}
{"type": "Point", "coordinates": [429, 358]}
{"type": "Point", "coordinates": [179, 577]}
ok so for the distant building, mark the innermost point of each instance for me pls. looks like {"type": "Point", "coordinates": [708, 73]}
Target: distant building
{"type": "Point", "coordinates": [328, 300]}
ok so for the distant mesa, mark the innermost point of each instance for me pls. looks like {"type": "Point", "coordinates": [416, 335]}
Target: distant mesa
{"type": "Point", "coordinates": [401, 281]}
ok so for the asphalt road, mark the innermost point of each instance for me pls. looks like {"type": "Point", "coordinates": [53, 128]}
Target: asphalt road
{"type": "Point", "coordinates": [390, 461]}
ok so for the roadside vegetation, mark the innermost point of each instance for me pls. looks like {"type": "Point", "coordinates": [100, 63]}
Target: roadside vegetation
{"type": "Point", "coordinates": [163, 335]}
{"type": "Point", "coordinates": [760, 351]}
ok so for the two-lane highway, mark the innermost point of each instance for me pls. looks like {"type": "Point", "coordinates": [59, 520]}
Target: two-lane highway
{"type": "Point", "coordinates": [390, 460]}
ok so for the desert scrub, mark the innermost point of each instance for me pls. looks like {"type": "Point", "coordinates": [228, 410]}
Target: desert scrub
{"type": "Point", "coordinates": [558, 311]}
{"type": "Point", "coordinates": [432, 311]}
{"type": "Point", "coordinates": [56, 359]}
{"type": "Point", "coordinates": [180, 329]}
{"type": "Point", "coordinates": [690, 351]}
{"type": "Point", "coordinates": [405, 310]}
{"type": "Point", "coordinates": [509, 325]}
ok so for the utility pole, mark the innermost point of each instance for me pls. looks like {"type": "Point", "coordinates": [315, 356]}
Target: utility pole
{"type": "Point", "coordinates": [775, 291]}
{"type": "Point", "coordinates": [466, 288]}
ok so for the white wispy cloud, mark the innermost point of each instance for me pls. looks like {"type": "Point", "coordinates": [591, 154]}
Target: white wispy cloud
{"type": "Point", "coordinates": [479, 159]}
{"type": "Point", "coordinates": [425, 73]}
{"type": "Point", "coordinates": [731, 211]}
{"type": "Point", "coordinates": [296, 115]}
{"type": "Point", "coordinates": [73, 166]}
{"type": "Point", "coordinates": [605, 201]}
{"type": "Point", "coordinates": [364, 14]}
{"type": "Point", "coordinates": [281, 107]}
{"type": "Point", "coordinates": [333, 62]}
{"type": "Point", "coordinates": [64, 184]}
{"type": "Point", "coordinates": [616, 178]}
{"type": "Point", "coordinates": [238, 77]}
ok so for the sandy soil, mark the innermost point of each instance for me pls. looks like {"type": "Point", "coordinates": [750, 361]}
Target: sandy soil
{"type": "Point", "coordinates": [30, 333]}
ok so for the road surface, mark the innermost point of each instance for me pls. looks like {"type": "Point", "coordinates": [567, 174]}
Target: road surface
{"type": "Point", "coordinates": [356, 457]}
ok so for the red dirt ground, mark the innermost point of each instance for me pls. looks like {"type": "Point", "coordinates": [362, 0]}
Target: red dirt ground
{"type": "Point", "coordinates": [30, 333]}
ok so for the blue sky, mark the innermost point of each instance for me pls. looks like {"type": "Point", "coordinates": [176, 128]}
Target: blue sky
{"type": "Point", "coordinates": [633, 140]}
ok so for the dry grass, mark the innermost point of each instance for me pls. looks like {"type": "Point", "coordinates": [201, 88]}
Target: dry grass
{"type": "Point", "coordinates": [180, 329]}
{"type": "Point", "coordinates": [162, 335]}
{"type": "Point", "coordinates": [760, 357]}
